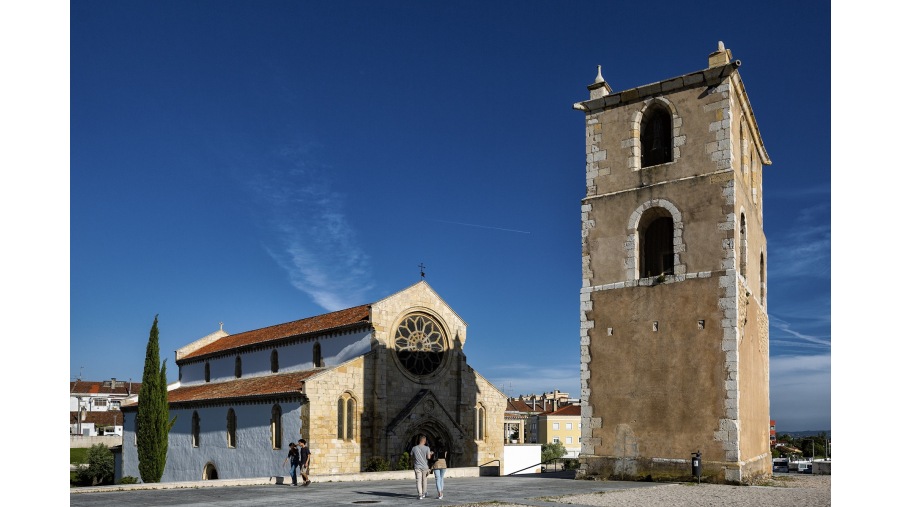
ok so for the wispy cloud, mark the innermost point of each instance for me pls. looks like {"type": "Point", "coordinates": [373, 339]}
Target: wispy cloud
{"type": "Point", "coordinates": [310, 235]}
{"type": "Point", "coordinates": [784, 333]}
{"type": "Point", "coordinates": [481, 226]}
{"type": "Point", "coordinates": [804, 249]}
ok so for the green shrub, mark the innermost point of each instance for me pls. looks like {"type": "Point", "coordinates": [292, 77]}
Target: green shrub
{"type": "Point", "coordinates": [100, 469]}
{"type": "Point", "coordinates": [404, 462]}
{"type": "Point", "coordinates": [377, 464]}
{"type": "Point", "coordinates": [128, 480]}
{"type": "Point", "coordinates": [552, 451]}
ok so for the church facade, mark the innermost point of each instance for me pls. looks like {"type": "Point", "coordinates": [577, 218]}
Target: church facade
{"type": "Point", "coordinates": [674, 325]}
{"type": "Point", "coordinates": [357, 384]}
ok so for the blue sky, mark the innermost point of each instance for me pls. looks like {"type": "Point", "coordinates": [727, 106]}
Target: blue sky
{"type": "Point", "coordinates": [254, 163]}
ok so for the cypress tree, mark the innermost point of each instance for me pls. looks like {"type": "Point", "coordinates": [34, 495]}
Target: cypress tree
{"type": "Point", "coordinates": [153, 413]}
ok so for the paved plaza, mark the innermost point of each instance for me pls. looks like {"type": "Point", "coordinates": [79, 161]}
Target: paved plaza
{"type": "Point", "coordinates": [520, 489]}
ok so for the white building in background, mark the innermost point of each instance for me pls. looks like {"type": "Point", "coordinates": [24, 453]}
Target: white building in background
{"type": "Point", "coordinates": [100, 396]}
{"type": "Point", "coordinates": [94, 406]}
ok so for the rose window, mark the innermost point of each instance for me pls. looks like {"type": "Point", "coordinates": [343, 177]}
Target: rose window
{"type": "Point", "coordinates": [419, 344]}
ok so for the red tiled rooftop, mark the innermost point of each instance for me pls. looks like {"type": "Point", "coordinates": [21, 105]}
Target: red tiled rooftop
{"type": "Point", "coordinates": [92, 387]}
{"type": "Point", "coordinates": [568, 410]}
{"type": "Point", "coordinates": [285, 383]}
{"type": "Point", "coordinates": [516, 405]}
{"type": "Point", "coordinates": [319, 323]}
{"type": "Point", "coordinates": [99, 418]}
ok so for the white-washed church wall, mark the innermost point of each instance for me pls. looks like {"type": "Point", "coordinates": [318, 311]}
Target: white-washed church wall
{"type": "Point", "coordinates": [295, 357]}
{"type": "Point", "coordinates": [252, 456]}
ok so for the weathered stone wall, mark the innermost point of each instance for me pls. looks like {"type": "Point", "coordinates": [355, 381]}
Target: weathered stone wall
{"type": "Point", "coordinates": [670, 365]}
{"type": "Point", "coordinates": [333, 455]}
{"type": "Point", "coordinates": [393, 405]}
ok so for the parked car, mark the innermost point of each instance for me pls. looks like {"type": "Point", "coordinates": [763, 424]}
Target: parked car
{"type": "Point", "coordinates": [780, 465]}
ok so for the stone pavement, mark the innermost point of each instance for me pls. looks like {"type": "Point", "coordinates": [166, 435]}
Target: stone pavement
{"type": "Point", "coordinates": [521, 489]}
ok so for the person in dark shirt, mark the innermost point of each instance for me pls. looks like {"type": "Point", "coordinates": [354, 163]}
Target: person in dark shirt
{"type": "Point", "coordinates": [305, 461]}
{"type": "Point", "coordinates": [440, 468]}
{"type": "Point", "coordinates": [294, 457]}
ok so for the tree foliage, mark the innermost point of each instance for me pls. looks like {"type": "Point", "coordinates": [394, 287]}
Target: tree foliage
{"type": "Point", "coordinates": [377, 464]}
{"type": "Point", "coordinates": [797, 447]}
{"type": "Point", "coordinates": [404, 462]}
{"type": "Point", "coordinates": [552, 451]}
{"type": "Point", "coordinates": [153, 423]}
{"type": "Point", "coordinates": [100, 466]}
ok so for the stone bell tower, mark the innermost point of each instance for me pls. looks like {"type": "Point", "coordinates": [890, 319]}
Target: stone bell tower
{"type": "Point", "coordinates": [674, 329]}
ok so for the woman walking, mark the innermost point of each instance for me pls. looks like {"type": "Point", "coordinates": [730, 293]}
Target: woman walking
{"type": "Point", "coordinates": [440, 467]}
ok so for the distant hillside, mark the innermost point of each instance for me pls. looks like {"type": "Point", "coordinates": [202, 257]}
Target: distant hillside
{"type": "Point", "coordinates": [801, 434]}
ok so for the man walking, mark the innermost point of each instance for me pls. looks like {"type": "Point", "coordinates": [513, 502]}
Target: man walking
{"type": "Point", "coordinates": [305, 461]}
{"type": "Point", "coordinates": [421, 454]}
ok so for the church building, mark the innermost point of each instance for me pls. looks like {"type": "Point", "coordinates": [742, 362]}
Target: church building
{"type": "Point", "coordinates": [357, 384]}
{"type": "Point", "coordinates": [674, 326]}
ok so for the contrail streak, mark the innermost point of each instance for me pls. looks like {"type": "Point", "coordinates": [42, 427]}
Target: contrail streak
{"type": "Point", "coordinates": [482, 226]}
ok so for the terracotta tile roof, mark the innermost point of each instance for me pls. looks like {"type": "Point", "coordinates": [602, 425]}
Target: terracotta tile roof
{"type": "Point", "coordinates": [99, 418]}
{"type": "Point", "coordinates": [568, 410]}
{"type": "Point", "coordinates": [319, 323]}
{"type": "Point", "coordinates": [521, 406]}
{"type": "Point", "coordinates": [103, 387]}
{"type": "Point", "coordinates": [250, 387]}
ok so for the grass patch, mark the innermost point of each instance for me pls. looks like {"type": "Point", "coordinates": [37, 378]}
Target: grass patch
{"type": "Point", "coordinates": [78, 455]}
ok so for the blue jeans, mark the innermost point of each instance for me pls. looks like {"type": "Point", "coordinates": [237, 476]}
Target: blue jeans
{"type": "Point", "coordinates": [294, 474]}
{"type": "Point", "coordinates": [439, 479]}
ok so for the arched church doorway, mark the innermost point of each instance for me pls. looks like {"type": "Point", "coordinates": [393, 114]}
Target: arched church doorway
{"type": "Point", "coordinates": [436, 436]}
{"type": "Point", "coordinates": [210, 473]}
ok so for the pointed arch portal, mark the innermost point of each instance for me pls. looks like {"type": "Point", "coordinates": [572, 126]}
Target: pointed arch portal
{"type": "Point", "coordinates": [435, 435]}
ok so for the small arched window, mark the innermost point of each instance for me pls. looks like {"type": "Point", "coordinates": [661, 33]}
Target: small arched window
{"type": "Point", "coordinates": [273, 359]}
{"type": "Point", "coordinates": [656, 136]}
{"type": "Point", "coordinates": [657, 234]}
{"type": "Point", "coordinates": [317, 355]}
{"type": "Point", "coordinates": [237, 367]}
{"type": "Point", "coordinates": [744, 150]}
{"type": "Point", "coordinates": [195, 429]}
{"type": "Point", "coordinates": [742, 240]}
{"type": "Point", "coordinates": [231, 428]}
{"type": "Point", "coordinates": [479, 422]}
{"type": "Point", "coordinates": [762, 279]}
{"type": "Point", "coordinates": [753, 175]}
{"type": "Point", "coordinates": [276, 427]}
{"type": "Point", "coordinates": [340, 417]}
{"type": "Point", "coordinates": [206, 371]}
{"type": "Point", "coordinates": [351, 417]}
{"type": "Point", "coordinates": [346, 417]}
